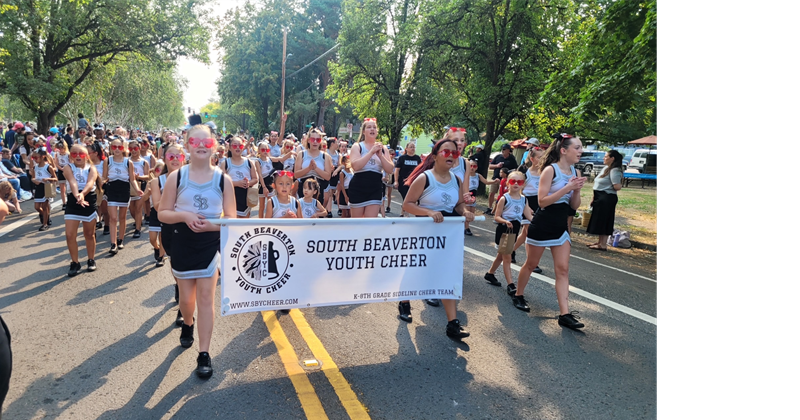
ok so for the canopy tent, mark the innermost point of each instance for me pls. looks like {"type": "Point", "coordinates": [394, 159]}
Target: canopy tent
{"type": "Point", "coordinates": [645, 141]}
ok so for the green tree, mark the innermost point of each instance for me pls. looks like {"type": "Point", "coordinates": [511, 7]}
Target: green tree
{"type": "Point", "coordinates": [383, 71]}
{"type": "Point", "coordinates": [50, 47]}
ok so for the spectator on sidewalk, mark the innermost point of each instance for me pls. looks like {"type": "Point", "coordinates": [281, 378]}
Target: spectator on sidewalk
{"type": "Point", "coordinates": [480, 157]}
{"type": "Point", "coordinates": [9, 197]}
{"type": "Point", "coordinates": [10, 168]}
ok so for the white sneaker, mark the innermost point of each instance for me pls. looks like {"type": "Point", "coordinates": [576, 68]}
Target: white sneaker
{"type": "Point", "coordinates": [25, 196]}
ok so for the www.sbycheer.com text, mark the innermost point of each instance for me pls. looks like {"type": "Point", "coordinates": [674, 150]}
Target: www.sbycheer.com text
{"type": "Point", "coordinates": [259, 303]}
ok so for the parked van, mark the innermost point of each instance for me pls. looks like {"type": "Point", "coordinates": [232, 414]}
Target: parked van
{"type": "Point", "coordinates": [639, 158]}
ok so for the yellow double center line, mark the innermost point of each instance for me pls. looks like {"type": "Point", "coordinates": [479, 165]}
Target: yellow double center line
{"type": "Point", "coordinates": [305, 391]}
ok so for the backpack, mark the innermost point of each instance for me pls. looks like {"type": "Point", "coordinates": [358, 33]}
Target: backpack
{"type": "Point", "coordinates": [620, 239]}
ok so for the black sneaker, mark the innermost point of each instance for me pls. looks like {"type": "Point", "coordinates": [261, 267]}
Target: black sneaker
{"type": "Point", "coordinates": [388, 209]}
{"type": "Point", "coordinates": [405, 311]}
{"type": "Point", "coordinates": [49, 222]}
{"type": "Point", "coordinates": [146, 221]}
{"type": "Point", "coordinates": [511, 289]}
{"type": "Point", "coordinates": [114, 249]}
{"type": "Point", "coordinates": [537, 270]}
{"type": "Point", "coordinates": [137, 234]}
{"type": "Point", "coordinates": [120, 245]}
{"type": "Point", "coordinates": [98, 225]}
{"type": "Point", "coordinates": [433, 302]}
{"type": "Point", "coordinates": [90, 265]}
{"type": "Point", "coordinates": [491, 279]}
{"type": "Point", "coordinates": [513, 257]}
{"type": "Point", "coordinates": [467, 232]}
{"type": "Point", "coordinates": [488, 210]}
{"type": "Point", "coordinates": [42, 228]}
{"type": "Point", "coordinates": [106, 230]}
{"type": "Point", "coordinates": [74, 267]}
{"type": "Point", "coordinates": [179, 319]}
{"type": "Point", "coordinates": [339, 212]}
{"type": "Point", "coordinates": [177, 294]}
{"type": "Point", "coordinates": [160, 261]}
{"type": "Point", "coordinates": [204, 369]}
{"type": "Point", "coordinates": [570, 321]}
{"type": "Point", "coordinates": [520, 303]}
{"type": "Point", "coordinates": [330, 215]}
{"type": "Point", "coordinates": [455, 330]}
{"type": "Point", "coordinates": [156, 253]}
{"type": "Point", "coordinates": [187, 335]}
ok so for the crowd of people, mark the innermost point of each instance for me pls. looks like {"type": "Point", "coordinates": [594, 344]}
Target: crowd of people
{"type": "Point", "coordinates": [173, 182]}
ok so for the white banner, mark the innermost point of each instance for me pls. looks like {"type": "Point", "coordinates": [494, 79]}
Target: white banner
{"type": "Point", "coordinates": [272, 264]}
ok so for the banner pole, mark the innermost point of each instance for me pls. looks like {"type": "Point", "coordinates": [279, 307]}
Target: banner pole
{"type": "Point", "coordinates": [348, 221]}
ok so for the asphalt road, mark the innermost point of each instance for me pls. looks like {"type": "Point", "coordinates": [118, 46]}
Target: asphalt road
{"type": "Point", "coordinates": [104, 345]}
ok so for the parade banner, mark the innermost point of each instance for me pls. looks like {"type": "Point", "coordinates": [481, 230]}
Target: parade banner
{"type": "Point", "coordinates": [272, 264]}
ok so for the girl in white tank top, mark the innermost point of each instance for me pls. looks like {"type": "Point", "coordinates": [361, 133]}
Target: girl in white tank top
{"type": "Point", "coordinates": [282, 205]}
{"type": "Point", "coordinates": [310, 207]}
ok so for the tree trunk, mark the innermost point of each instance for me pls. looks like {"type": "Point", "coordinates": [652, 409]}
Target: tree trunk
{"type": "Point", "coordinates": [44, 120]}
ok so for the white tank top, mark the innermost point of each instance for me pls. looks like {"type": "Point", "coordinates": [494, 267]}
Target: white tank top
{"type": "Point", "coordinates": [289, 164]}
{"type": "Point", "coordinates": [118, 171]}
{"type": "Point", "coordinates": [162, 180]}
{"type": "Point", "coordinates": [460, 169]}
{"type": "Point", "coordinates": [99, 168]}
{"type": "Point", "coordinates": [560, 181]}
{"type": "Point", "coordinates": [438, 196]}
{"type": "Point", "coordinates": [266, 167]}
{"type": "Point", "coordinates": [348, 176]}
{"type": "Point", "coordinates": [41, 172]}
{"type": "Point", "coordinates": [81, 177]}
{"type": "Point", "coordinates": [513, 209]}
{"type": "Point", "coordinates": [279, 210]}
{"type": "Point", "coordinates": [373, 164]}
{"type": "Point", "coordinates": [308, 209]}
{"type": "Point", "coordinates": [531, 187]}
{"type": "Point", "coordinates": [320, 159]}
{"type": "Point", "coordinates": [238, 172]}
{"type": "Point", "coordinates": [335, 159]}
{"type": "Point", "coordinates": [138, 167]}
{"type": "Point", "coordinates": [203, 199]}
{"type": "Point", "coordinates": [474, 182]}
{"type": "Point", "coordinates": [63, 160]}
{"type": "Point", "coordinates": [275, 150]}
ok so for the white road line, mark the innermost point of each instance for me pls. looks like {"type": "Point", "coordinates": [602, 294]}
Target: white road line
{"type": "Point", "coordinates": [591, 296]}
{"type": "Point", "coordinates": [573, 256]}
{"type": "Point", "coordinates": [8, 229]}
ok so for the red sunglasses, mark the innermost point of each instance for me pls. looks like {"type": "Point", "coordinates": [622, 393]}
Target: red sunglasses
{"type": "Point", "coordinates": [34, 157]}
{"type": "Point", "coordinates": [172, 156]}
{"type": "Point", "coordinates": [76, 154]}
{"type": "Point", "coordinates": [447, 153]}
{"type": "Point", "coordinates": [457, 129]}
{"type": "Point", "coordinates": [239, 147]}
{"type": "Point", "coordinates": [315, 139]}
{"type": "Point", "coordinates": [290, 174]}
{"type": "Point", "coordinates": [370, 120]}
{"type": "Point", "coordinates": [264, 150]}
{"type": "Point", "coordinates": [117, 147]}
{"type": "Point", "coordinates": [207, 142]}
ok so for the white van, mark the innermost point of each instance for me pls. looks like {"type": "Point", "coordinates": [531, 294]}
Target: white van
{"type": "Point", "coordinates": [639, 158]}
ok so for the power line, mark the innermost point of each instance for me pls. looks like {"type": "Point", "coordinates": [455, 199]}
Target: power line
{"type": "Point", "coordinates": [314, 61]}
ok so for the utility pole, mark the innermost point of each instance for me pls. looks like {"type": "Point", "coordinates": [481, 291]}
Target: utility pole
{"type": "Point", "coordinates": [283, 84]}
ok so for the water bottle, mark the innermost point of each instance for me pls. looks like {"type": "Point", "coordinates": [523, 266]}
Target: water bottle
{"type": "Point", "coordinates": [616, 240]}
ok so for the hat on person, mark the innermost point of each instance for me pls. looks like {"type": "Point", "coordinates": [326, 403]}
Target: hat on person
{"type": "Point", "coordinates": [506, 147]}
{"type": "Point", "coordinates": [479, 146]}
{"type": "Point", "coordinates": [54, 130]}
{"type": "Point", "coordinates": [18, 125]}
{"type": "Point", "coordinates": [533, 140]}
{"type": "Point", "coordinates": [99, 127]}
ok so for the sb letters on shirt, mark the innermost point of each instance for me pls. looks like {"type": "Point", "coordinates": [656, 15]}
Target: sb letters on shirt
{"type": "Point", "coordinates": [272, 264]}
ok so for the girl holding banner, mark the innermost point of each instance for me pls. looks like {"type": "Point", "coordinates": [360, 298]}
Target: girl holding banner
{"type": "Point", "coordinates": [369, 159]}
{"type": "Point", "coordinates": [435, 192]}
{"type": "Point", "coordinates": [196, 192]}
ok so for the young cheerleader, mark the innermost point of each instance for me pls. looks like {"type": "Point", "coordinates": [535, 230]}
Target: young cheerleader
{"type": "Point", "coordinates": [43, 171]}
{"type": "Point", "coordinates": [61, 159]}
{"type": "Point", "coordinates": [243, 174]}
{"type": "Point", "coordinates": [335, 154]}
{"type": "Point", "coordinates": [512, 212]}
{"type": "Point", "coordinates": [118, 178]}
{"type": "Point", "coordinates": [314, 163]}
{"type": "Point", "coordinates": [264, 164]}
{"type": "Point", "coordinates": [310, 207]}
{"type": "Point", "coordinates": [474, 181]}
{"type": "Point", "coordinates": [196, 192]}
{"type": "Point", "coordinates": [559, 194]}
{"type": "Point", "coordinates": [369, 158]}
{"type": "Point", "coordinates": [343, 187]}
{"type": "Point", "coordinates": [97, 157]}
{"type": "Point", "coordinates": [81, 208]}
{"type": "Point", "coordinates": [435, 192]}
{"type": "Point", "coordinates": [282, 204]}
{"type": "Point", "coordinates": [530, 191]}
{"type": "Point", "coordinates": [503, 182]}
{"type": "Point", "coordinates": [174, 157]}
{"type": "Point", "coordinates": [141, 169]}
{"type": "Point", "coordinates": [155, 225]}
